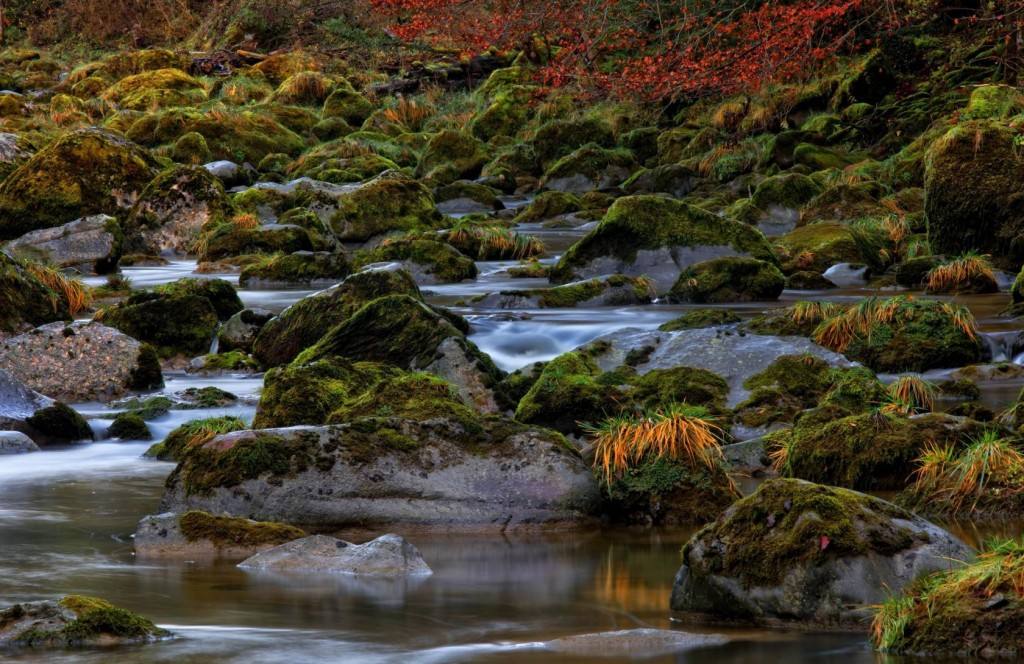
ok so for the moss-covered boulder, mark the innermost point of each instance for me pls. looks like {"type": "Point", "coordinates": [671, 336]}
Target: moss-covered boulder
{"type": "Point", "coordinates": [658, 238]}
{"type": "Point", "coordinates": [973, 180]}
{"type": "Point", "coordinates": [201, 534]}
{"type": "Point", "coordinates": [868, 451]}
{"type": "Point", "coordinates": [25, 301]}
{"type": "Point", "coordinates": [300, 267]}
{"type": "Point", "coordinates": [86, 172]}
{"type": "Point", "coordinates": [221, 294]}
{"type": "Point", "coordinates": [129, 426]}
{"type": "Point", "coordinates": [775, 205]}
{"type": "Point", "coordinates": [153, 89]}
{"type": "Point", "coordinates": [557, 138]}
{"type": "Point", "coordinates": [500, 475]}
{"type": "Point", "coordinates": [451, 155]}
{"type": "Point", "coordinates": [231, 239]}
{"type": "Point", "coordinates": [348, 105]}
{"type": "Point", "coordinates": [59, 423]}
{"type": "Point", "coordinates": [303, 324]}
{"type": "Point", "coordinates": [173, 208]}
{"type": "Point", "coordinates": [613, 291]}
{"type": "Point", "coordinates": [173, 324]}
{"type": "Point", "coordinates": [390, 202]}
{"type": "Point", "coordinates": [676, 180]}
{"type": "Point", "coordinates": [700, 318]}
{"type": "Point", "coordinates": [548, 205]}
{"type": "Point", "coordinates": [74, 621]}
{"type": "Point", "coordinates": [429, 261]}
{"type": "Point", "coordinates": [193, 432]}
{"type": "Point", "coordinates": [590, 168]}
{"type": "Point", "coordinates": [729, 279]}
{"type": "Point", "coordinates": [403, 331]}
{"type": "Point", "coordinates": [567, 395]}
{"type": "Point", "coordinates": [806, 556]}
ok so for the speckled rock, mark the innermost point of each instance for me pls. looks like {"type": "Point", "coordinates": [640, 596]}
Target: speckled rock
{"type": "Point", "coordinates": [15, 442]}
{"type": "Point", "coordinates": [388, 555]}
{"type": "Point", "coordinates": [81, 361]}
{"type": "Point", "coordinates": [18, 403]}
{"type": "Point", "coordinates": [90, 244]}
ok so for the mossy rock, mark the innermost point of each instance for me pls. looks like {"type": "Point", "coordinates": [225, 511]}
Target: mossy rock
{"type": "Point", "coordinates": [993, 102]}
{"type": "Point", "coordinates": [457, 151]}
{"type": "Point", "coordinates": [349, 105]}
{"type": "Point", "coordinates": [547, 205]}
{"type": "Point", "coordinates": [303, 324]}
{"type": "Point", "coordinates": [193, 432]}
{"type": "Point", "coordinates": [729, 279]}
{"type": "Point", "coordinates": [558, 138]}
{"type": "Point", "coordinates": [845, 202]}
{"type": "Point", "coordinates": [60, 422]}
{"type": "Point", "coordinates": [129, 426]}
{"type": "Point", "coordinates": [667, 493]}
{"type": "Point", "coordinates": [336, 391]}
{"type": "Point", "coordinates": [788, 191]}
{"type": "Point", "coordinates": [86, 172]}
{"type": "Point", "coordinates": [699, 318]}
{"type": "Point", "coordinates": [640, 233]}
{"type": "Point", "coordinates": [642, 142]}
{"type": "Point", "coordinates": [817, 247]}
{"type": "Point", "coordinates": [172, 324]}
{"type": "Point", "coordinates": [867, 451]}
{"type": "Point", "coordinates": [390, 202]}
{"type": "Point", "coordinates": [191, 149]}
{"type": "Point", "coordinates": [226, 532]}
{"type": "Point", "coordinates": [590, 168]}
{"type": "Point", "coordinates": [429, 261]}
{"type": "Point", "coordinates": [661, 388]}
{"type": "Point", "coordinates": [301, 267]}
{"type": "Point", "coordinates": [309, 88]}
{"type": "Point", "coordinates": [173, 208]}
{"type": "Point", "coordinates": [614, 290]}
{"type": "Point", "coordinates": [504, 114]}
{"type": "Point", "coordinates": [221, 294]}
{"type": "Point", "coordinates": [156, 88]}
{"type": "Point", "coordinates": [75, 621]}
{"type": "Point", "coordinates": [228, 239]}
{"type": "Point", "coordinates": [567, 395]}
{"type": "Point", "coordinates": [25, 302]}
{"type": "Point", "coordinates": [676, 180]}
{"type": "Point", "coordinates": [972, 182]}
{"type": "Point", "coordinates": [805, 555]}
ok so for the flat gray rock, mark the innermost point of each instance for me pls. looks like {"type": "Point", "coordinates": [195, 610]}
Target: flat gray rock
{"type": "Point", "coordinates": [388, 555]}
{"type": "Point", "coordinates": [634, 643]}
{"type": "Point", "coordinates": [89, 244]}
{"type": "Point", "coordinates": [15, 442]}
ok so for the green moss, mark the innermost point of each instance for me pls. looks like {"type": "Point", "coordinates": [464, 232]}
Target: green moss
{"type": "Point", "coordinates": [85, 172]}
{"type": "Point", "coordinates": [97, 618]}
{"type": "Point", "coordinates": [26, 302]}
{"type": "Point", "coordinates": [549, 204]}
{"type": "Point", "coordinates": [995, 102]}
{"type": "Point", "coordinates": [388, 203]}
{"type": "Point", "coordinates": [635, 223]}
{"type": "Point", "coordinates": [458, 151]}
{"type": "Point", "coordinates": [972, 183]}
{"type": "Point", "coordinates": [305, 322]}
{"type": "Point", "coordinates": [568, 394]}
{"type": "Point", "coordinates": [191, 148]}
{"type": "Point", "coordinates": [247, 456]}
{"type": "Point", "coordinates": [297, 268]}
{"type": "Point", "coordinates": [613, 290]}
{"type": "Point", "coordinates": [149, 408]}
{"type": "Point", "coordinates": [784, 522]}
{"type": "Point", "coordinates": [665, 493]}
{"type": "Point", "coordinates": [228, 240]}
{"type": "Point", "coordinates": [504, 114]}
{"type": "Point", "coordinates": [226, 531]}
{"type": "Point", "coordinates": [307, 393]}
{"type": "Point", "coordinates": [156, 88]}
{"type": "Point", "coordinates": [220, 293]}
{"type": "Point", "coordinates": [868, 451]}
{"type": "Point", "coordinates": [206, 397]}
{"type": "Point", "coordinates": [700, 318]}
{"type": "Point", "coordinates": [177, 443]}
{"type": "Point", "coordinates": [604, 167]}
{"type": "Point", "coordinates": [789, 190]}
{"type": "Point", "coordinates": [443, 261]}
{"type": "Point", "coordinates": [349, 105]}
{"type": "Point", "coordinates": [729, 279]}
{"type": "Point", "coordinates": [697, 387]}
{"type": "Point", "coordinates": [129, 426]}
{"type": "Point", "coordinates": [558, 138]}
{"type": "Point", "coordinates": [171, 324]}
{"type": "Point", "coordinates": [60, 421]}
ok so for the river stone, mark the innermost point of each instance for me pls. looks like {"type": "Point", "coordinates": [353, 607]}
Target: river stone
{"type": "Point", "coordinates": [658, 238]}
{"type": "Point", "coordinates": [90, 244]}
{"type": "Point", "coordinates": [634, 643]}
{"type": "Point", "coordinates": [15, 442]}
{"type": "Point", "coordinates": [165, 536]}
{"type": "Point", "coordinates": [72, 622]}
{"type": "Point", "coordinates": [80, 361]}
{"type": "Point", "coordinates": [228, 172]}
{"type": "Point", "coordinates": [721, 350]}
{"type": "Point", "coordinates": [403, 472]}
{"type": "Point", "coordinates": [173, 208]}
{"type": "Point", "coordinates": [240, 331]}
{"type": "Point", "coordinates": [18, 403]}
{"type": "Point", "coordinates": [809, 556]}
{"type": "Point", "coordinates": [388, 555]}
{"type": "Point", "coordinates": [847, 275]}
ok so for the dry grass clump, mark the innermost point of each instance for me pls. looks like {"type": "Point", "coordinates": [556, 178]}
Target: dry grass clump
{"type": "Point", "coordinates": [77, 295]}
{"type": "Point", "coordinates": [958, 480]}
{"type": "Point", "coordinates": [491, 240]}
{"type": "Point", "coordinates": [911, 394]}
{"type": "Point", "coordinates": [960, 273]}
{"type": "Point", "coordinates": [409, 113]}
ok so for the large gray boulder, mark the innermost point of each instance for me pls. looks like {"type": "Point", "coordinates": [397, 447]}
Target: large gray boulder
{"type": "Point", "coordinates": [383, 471]}
{"type": "Point", "coordinates": [809, 556]}
{"type": "Point", "coordinates": [81, 361]}
{"type": "Point", "coordinates": [388, 555]}
{"type": "Point", "coordinates": [89, 244]}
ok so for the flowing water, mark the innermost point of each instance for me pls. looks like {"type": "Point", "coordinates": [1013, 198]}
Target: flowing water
{"type": "Point", "coordinates": [67, 515]}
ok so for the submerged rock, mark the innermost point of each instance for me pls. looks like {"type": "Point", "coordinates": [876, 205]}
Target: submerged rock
{"type": "Point", "coordinates": [81, 361]}
{"type": "Point", "coordinates": [90, 244]}
{"type": "Point", "coordinates": [805, 555]}
{"type": "Point", "coordinates": [381, 471]}
{"type": "Point", "coordinates": [74, 621]}
{"type": "Point", "coordinates": [15, 442]}
{"type": "Point", "coordinates": [388, 555]}
{"type": "Point", "coordinates": [634, 643]}
{"type": "Point", "coordinates": [201, 534]}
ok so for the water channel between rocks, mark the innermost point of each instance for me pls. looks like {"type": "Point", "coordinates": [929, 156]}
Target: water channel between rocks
{"type": "Point", "coordinates": [66, 518]}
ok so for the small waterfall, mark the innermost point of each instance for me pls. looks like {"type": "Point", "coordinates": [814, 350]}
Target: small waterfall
{"type": "Point", "coordinates": [1001, 345]}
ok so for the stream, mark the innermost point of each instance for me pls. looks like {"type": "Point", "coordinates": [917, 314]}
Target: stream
{"type": "Point", "coordinates": [67, 515]}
